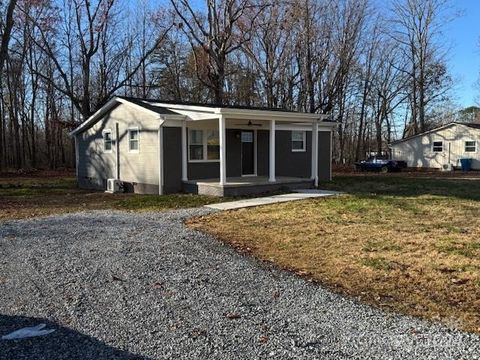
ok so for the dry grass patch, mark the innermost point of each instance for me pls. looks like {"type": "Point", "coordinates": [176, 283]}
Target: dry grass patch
{"type": "Point", "coordinates": [31, 196]}
{"type": "Point", "coordinates": [412, 251]}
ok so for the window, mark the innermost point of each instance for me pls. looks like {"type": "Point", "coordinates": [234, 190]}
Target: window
{"type": "Point", "coordinates": [133, 140]}
{"type": "Point", "coordinates": [213, 145]}
{"type": "Point", "coordinates": [204, 145]}
{"type": "Point", "coordinates": [247, 137]}
{"type": "Point", "coordinates": [298, 141]}
{"type": "Point", "coordinates": [107, 140]}
{"type": "Point", "coordinates": [437, 146]}
{"type": "Point", "coordinates": [196, 145]}
{"type": "Point", "coordinates": [470, 146]}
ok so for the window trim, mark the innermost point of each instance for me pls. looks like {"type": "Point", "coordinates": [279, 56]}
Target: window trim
{"type": "Point", "coordinates": [433, 146]}
{"type": "Point", "coordinates": [107, 131]}
{"type": "Point", "coordinates": [304, 136]}
{"type": "Point", "coordinates": [130, 150]}
{"type": "Point", "coordinates": [204, 146]}
{"type": "Point", "coordinates": [465, 146]}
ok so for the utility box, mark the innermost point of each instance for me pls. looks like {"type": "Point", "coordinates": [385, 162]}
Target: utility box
{"type": "Point", "coordinates": [114, 186]}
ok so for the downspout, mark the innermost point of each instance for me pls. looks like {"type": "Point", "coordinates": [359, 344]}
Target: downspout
{"type": "Point", "coordinates": [449, 154]}
{"type": "Point", "coordinates": [77, 155]}
{"type": "Point", "coordinates": [117, 148]}
{"type": "Point", "coordinates": [160, 156]}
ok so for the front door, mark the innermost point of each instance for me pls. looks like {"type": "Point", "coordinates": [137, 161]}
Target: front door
{"type": "Point", "coordinates": [248, 153]}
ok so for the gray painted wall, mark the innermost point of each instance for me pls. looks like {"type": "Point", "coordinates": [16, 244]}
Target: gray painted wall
{"type": "Point", "coordinates": [289, 163]}
{"type": "Point", "coordinates": [203, 170]}
{"type": "Point", "coordinates": [263, 138]}
{"type": "Point", "coordinates": [172, 159]}
{"type": "Point", "coordinates": [234, 153]}
{"type": "Point", "coordinates": [324, 151]}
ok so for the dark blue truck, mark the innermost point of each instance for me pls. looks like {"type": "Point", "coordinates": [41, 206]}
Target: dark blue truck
{"type": "Point", "coordinates": [377, 163]}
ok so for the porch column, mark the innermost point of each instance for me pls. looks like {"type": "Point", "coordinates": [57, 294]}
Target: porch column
{"type": "Point", "coordinates": [184, 151]}
{"type": "Point", "coordinates": [222, 143]}
{"type": "Point", "coordinates": [271, 168]}
{"type": "Point", "coordinates": [314, 176]}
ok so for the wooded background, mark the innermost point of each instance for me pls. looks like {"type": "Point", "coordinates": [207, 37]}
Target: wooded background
{"type": "Point", "coordinates": [379, 70]}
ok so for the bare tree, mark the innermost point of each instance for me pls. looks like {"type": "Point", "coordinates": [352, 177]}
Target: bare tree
{"type": "Point", "coordinates": [225, 29]}
{"type": "Point", "coordinates": [418, 30]}
{"type": "Point", "coordinates": [92, 25]}
{"type": "Point", "coordinates": [272, 48]}
{"type": "Point", "coordinates": [6, 31]}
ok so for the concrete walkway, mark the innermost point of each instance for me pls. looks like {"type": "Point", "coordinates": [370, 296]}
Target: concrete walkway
{"type": "Point", "coordinates": [298, 195]}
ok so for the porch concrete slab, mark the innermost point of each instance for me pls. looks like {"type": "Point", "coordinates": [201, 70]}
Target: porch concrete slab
{"type": "Point", "coordinates": [300, 194]}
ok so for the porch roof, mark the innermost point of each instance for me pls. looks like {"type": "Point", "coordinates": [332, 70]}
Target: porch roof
{"type": "Point", "coordinates": [200, 112]}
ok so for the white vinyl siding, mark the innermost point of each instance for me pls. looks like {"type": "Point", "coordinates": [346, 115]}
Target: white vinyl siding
{"type": "Point", "coordinates": [98, 165]}
{"type": "Point", "coordinates": [418, 151]}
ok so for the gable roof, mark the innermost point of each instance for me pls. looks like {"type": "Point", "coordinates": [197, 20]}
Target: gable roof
{"type": "Point", "coordinates": [197, 111]}
{"type": "Point", "coordinates": [207, 105]}
{"type": "Point", "coordinates": [470, 125]}
{"type": "Point", "coordinates": [147, 105]}
{"type": "Point", "coordinates": [114, 102]}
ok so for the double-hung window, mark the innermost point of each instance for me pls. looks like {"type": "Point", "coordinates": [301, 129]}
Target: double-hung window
{"type": "Point", "coordinates": [470, 146]}
{"type": "Point", "coordinates": [437, 146]}
{"type": "Point", "coordinates": [133, 140]}
{"type": "Point", "coordinates": [203, 145]}
{"type": "Point", "coordinates": [213, 145]}
{"type": "Point", "coordinates": [196, 145]}
{"type": "Point", "coordinates": [107, 140]}
{"type": "Point", "coordinates": [298, 141]}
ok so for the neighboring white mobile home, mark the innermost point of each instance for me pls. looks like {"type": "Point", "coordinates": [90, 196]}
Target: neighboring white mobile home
{"type": "Point", "coordinates": [442, 147]}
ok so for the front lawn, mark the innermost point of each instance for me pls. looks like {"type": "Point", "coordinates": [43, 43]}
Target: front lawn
{"type": "Point", "coordinates": [403, 243]}
{"type": "Point", "coordinates": [30, 196]}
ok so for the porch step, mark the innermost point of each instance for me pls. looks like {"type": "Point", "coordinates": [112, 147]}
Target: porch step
{"type": "Point", "coordinates": [245, 186]}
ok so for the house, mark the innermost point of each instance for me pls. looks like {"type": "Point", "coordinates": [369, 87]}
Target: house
{"type": "Point", "coordinates": [162, 147]}
{"type": "Point", "coordinates": [442, 147]}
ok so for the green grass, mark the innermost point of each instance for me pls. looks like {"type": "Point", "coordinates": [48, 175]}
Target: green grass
{"type": "Point", "coordinates": [450, 246]}
{"type": "Point", "coordinates": [37, 196]}
{"type": "Point", "coordinates": [173, 201]}
{"type": "Point", "coordinates": [35, 187]}
{"type": "Point", "coordinates": [400, 187]}
{"type": "Point", "coordinates": [377, 263]}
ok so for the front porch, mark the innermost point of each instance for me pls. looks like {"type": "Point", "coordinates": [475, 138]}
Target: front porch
{"type": "Point", "coordinates": [243, 146]}
{"type": "Point", "coordinates": [238, 186]}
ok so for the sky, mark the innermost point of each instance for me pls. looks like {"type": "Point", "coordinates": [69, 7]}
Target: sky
{"type": "Point", "coordinates": [463, 34]}
{"type": "Point", "coordinates": [462, 40]}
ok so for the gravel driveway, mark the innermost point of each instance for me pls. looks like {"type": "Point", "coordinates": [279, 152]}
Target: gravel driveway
{"type": "Point", "coordinates": [122, 285]}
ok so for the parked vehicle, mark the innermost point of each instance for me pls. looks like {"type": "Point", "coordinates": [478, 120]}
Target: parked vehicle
{"type": "Point", "coordinates": [378, 163]}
